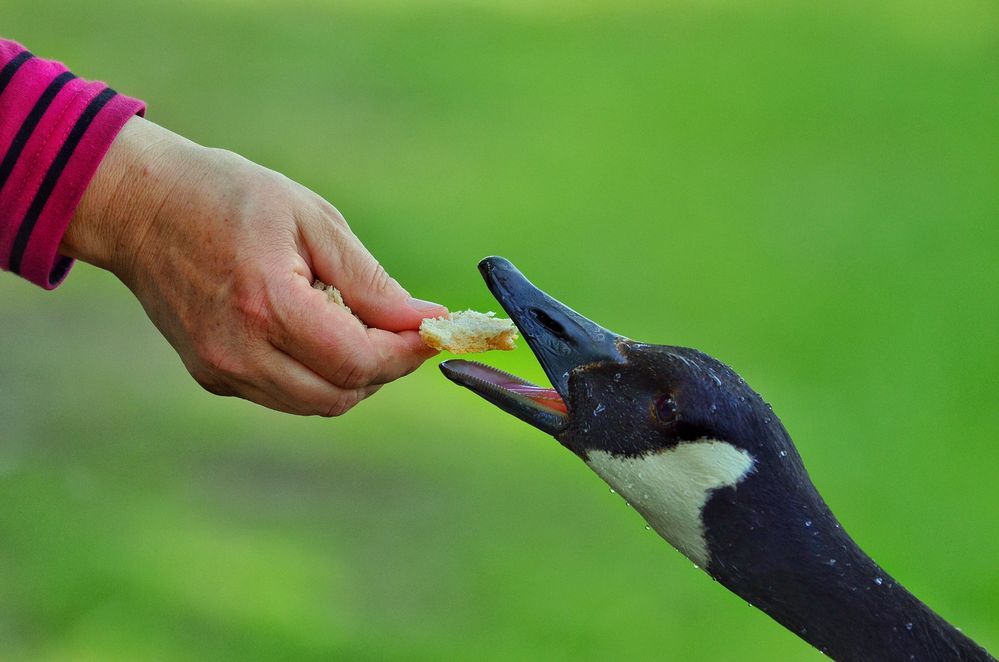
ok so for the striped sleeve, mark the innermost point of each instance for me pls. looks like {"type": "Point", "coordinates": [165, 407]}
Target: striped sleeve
{"type": "Point", "coordinates": [54, 130]}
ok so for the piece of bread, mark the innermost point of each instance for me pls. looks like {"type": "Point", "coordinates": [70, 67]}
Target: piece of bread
{"type": "Point", "coordinates": [467, 331]}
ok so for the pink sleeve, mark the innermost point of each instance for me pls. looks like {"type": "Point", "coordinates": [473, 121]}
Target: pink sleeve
{"type": "Point", "coordinates": [54, 130]}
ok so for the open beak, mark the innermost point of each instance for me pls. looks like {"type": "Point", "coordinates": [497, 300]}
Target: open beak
{"type": "Point", "coordinates": [561, 339]}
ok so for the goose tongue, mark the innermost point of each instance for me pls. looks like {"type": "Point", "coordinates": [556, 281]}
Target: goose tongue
{"type": "Point", "coordinates": [546, 397]}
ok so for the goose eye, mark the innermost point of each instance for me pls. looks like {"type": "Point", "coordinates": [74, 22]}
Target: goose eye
{"type": "Point", "coordinates": [666, 408]}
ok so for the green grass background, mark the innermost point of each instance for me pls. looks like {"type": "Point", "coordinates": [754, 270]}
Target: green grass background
{"type": "Point", "coordinates": [808, 192]}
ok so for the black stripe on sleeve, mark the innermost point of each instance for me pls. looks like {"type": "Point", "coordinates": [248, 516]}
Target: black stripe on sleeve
{"type": "Point", "coordinates": [53, 174]}
{"type": "Point", "coordinates": [30, 124]}
{"type": "Point", "coordinates": [11, 68]}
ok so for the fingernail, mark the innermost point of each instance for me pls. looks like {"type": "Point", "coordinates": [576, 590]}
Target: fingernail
{"type": "Point", "coordinates": [421, 305]}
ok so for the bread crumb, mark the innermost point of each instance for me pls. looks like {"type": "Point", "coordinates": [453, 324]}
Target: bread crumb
{"type": "Point", "coordinates": [334, 295]}
{"type": "Point", "coordinates": [468, 331]}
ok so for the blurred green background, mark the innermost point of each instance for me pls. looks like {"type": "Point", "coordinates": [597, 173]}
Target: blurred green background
{"type": "Point", "coordinates": [807, 192]}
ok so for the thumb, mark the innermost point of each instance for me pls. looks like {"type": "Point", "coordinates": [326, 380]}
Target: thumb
{"type": "Point", "coordinates": [374, 296]}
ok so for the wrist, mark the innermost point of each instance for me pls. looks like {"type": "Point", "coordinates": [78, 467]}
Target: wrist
{"type": "Point", "coordinates": [121, 201]}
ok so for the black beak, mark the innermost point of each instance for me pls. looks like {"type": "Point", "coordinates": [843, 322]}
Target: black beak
{"type": "Point", "coordinates": [562, 340]}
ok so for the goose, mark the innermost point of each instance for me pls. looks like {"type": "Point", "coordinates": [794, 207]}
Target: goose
{"type": "Point", "coordinates": [709, 465]}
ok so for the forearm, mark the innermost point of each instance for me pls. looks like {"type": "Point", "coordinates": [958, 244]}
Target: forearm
{"type": "Point", "coordinates": [55, 129]}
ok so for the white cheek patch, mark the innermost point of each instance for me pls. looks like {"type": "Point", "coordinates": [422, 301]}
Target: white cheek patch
{"type": "Point", "coordinates": [670, 488]}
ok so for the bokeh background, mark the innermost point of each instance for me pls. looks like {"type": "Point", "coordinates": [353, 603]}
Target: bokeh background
{"type": "Point", "coordinates": [807, 191]}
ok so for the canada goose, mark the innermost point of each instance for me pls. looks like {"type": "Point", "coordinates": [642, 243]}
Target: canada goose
{"type": "Point", "coordinates": [710, 467]}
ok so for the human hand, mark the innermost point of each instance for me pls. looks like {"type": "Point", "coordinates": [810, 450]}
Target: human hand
{"type": "Point", "coordinates": [222, 254]}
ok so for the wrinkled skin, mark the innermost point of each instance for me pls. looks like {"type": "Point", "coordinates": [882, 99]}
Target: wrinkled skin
{"type": "Point", "coordinates": [222, 253]}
